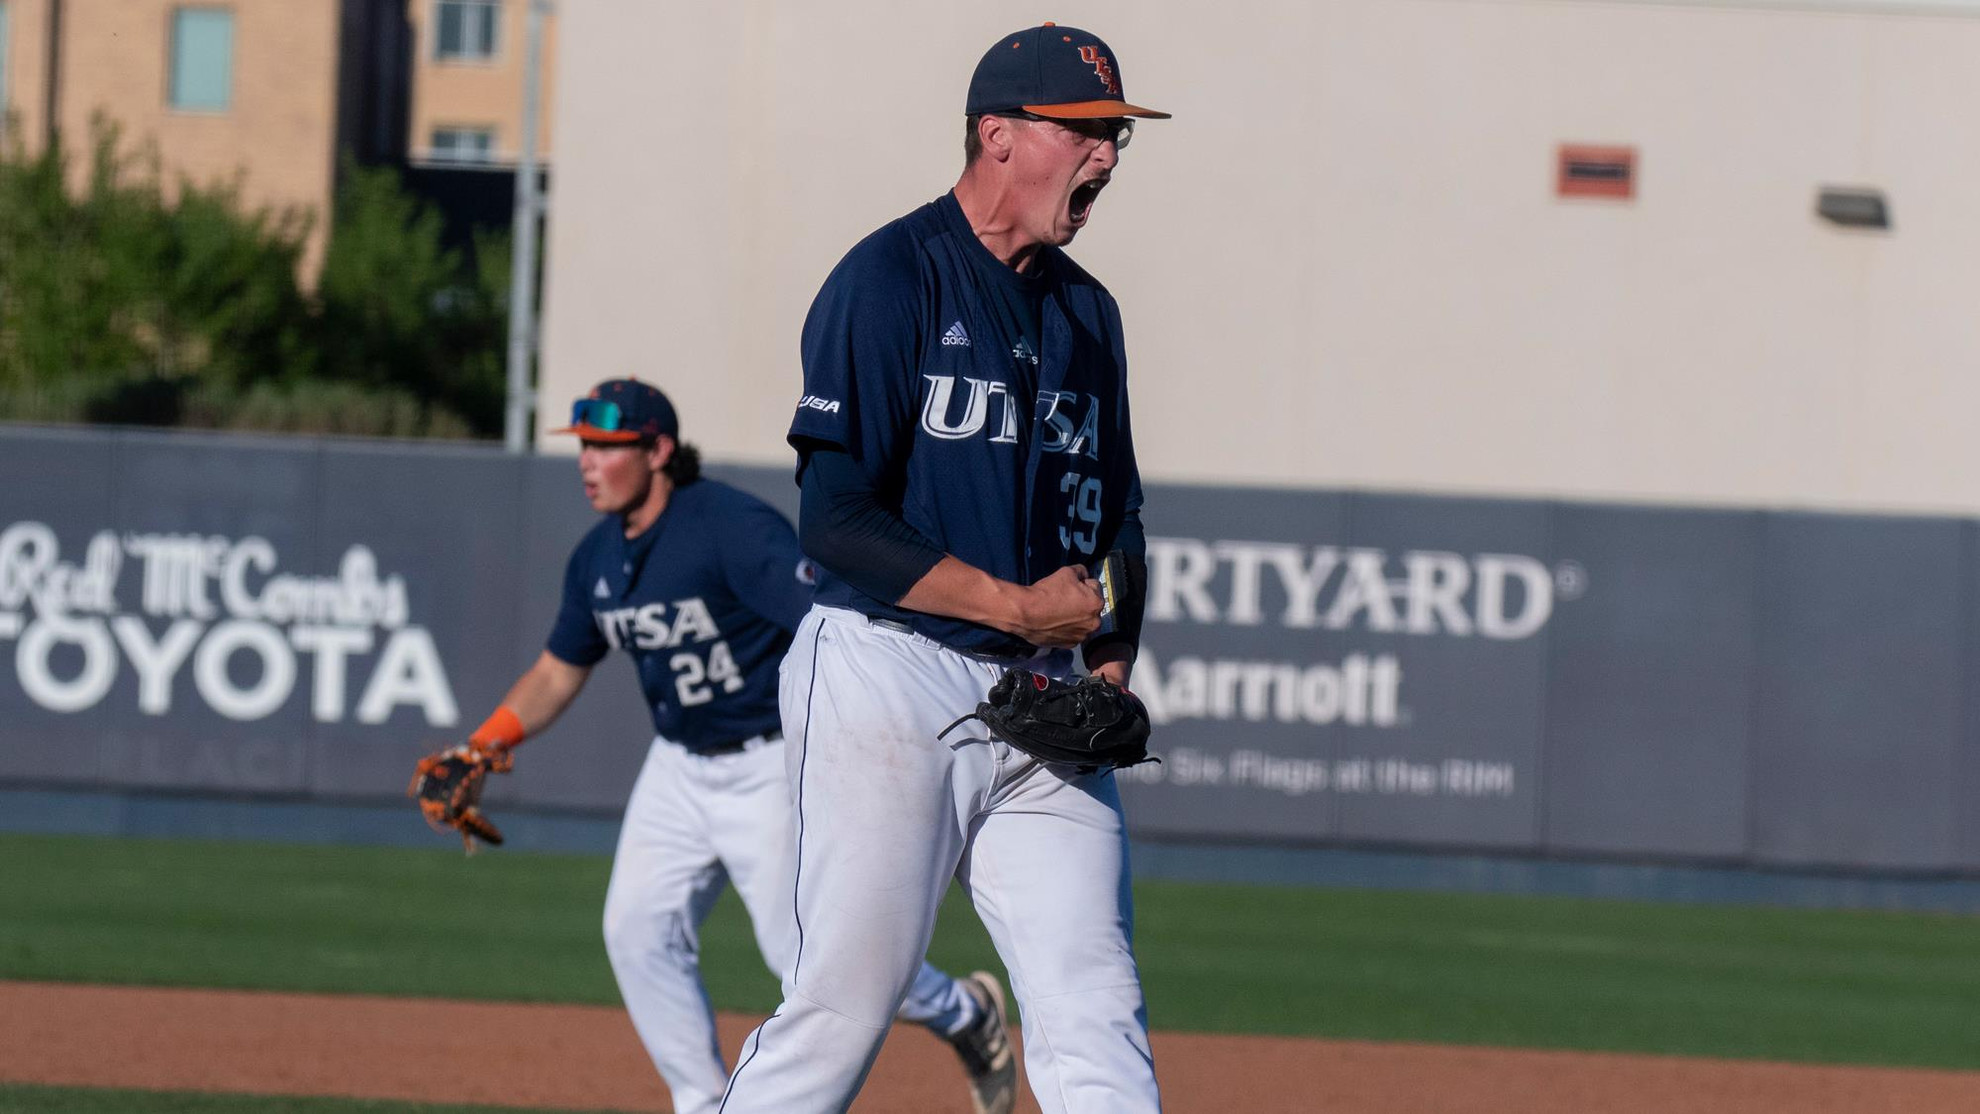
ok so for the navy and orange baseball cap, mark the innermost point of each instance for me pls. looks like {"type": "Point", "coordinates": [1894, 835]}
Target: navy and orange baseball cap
{"type": "Point", "coordinates": [1060, 72]}
{"type": "Point", "coordinates": [624, 410]}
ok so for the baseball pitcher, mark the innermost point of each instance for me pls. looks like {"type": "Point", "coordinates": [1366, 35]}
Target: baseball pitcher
{"type": "Point", "coordinates": [966, 466]}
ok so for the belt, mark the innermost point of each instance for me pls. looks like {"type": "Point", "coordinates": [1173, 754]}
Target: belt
{"type": "Point", "coordinates": [736, 746]}
{"type": "Point", "coordinates": [903, 628]}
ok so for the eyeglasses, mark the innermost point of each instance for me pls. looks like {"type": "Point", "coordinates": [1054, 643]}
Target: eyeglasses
{"type": "Point", "coordinates": [1099, 129]}
{"type": "Point", "coordinates": [598, 414]}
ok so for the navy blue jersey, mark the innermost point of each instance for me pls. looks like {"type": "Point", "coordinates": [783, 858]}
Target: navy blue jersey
{"type": "Point", "coordinates": [705, 601]}
{"type": "Point", "coordinates": [909, 367]}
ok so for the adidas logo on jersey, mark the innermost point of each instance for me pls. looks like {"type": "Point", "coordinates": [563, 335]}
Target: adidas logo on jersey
{"type": "Point", "coordinates": [956, 337]}
{"type": "Point", "coordinates": [603, 591]}
{"type": "Point", "coordinates": [1022, 353]}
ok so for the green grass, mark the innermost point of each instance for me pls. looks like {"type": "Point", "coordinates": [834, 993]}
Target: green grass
{"type": "Point", "coordinates": [356, 920]}
{"type": "Point", "coordinates": [21, 1099]}
{"type": "Point", "coordinates": [1825, 986]}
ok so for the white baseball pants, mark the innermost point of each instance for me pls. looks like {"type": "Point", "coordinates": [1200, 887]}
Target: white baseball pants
{"type": "Point", "coordinates": [694, 824]}
{"type": "Point", "coordinates": [887, 815]}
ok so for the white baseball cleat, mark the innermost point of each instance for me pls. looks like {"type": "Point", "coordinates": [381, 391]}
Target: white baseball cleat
{"type": "Point", "coordinates": [985, 1048]}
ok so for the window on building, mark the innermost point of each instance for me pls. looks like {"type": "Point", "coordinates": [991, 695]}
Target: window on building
{"type": "Point", "coordinates": [463, 144]}
{"type": "Point", "coordinates": [464, 30]}
{"type": "Point", "coordinates": [202, 59]}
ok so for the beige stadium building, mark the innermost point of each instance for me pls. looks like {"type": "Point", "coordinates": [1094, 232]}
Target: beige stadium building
{"type": "Point", "coordinates": [269, 93]}
{"type": "Point", "coordinates": [1568, 248]}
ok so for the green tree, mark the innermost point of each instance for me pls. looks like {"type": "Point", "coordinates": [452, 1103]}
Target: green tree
{"type": "Point", "coordinates": [123, 301]}
{"type": "Point", "coordinates": [111, 293]}
{"type": "Point", "coordinates": [399, 309]}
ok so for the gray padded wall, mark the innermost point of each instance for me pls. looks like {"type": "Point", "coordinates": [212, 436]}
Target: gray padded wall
{"type": "Point", "coordinates": [1326, 667]}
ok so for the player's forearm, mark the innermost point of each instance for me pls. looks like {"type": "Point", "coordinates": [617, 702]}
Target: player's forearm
{"type": "Point", "coordinates": [1062, 610]}
{"type": "Point", "coordinates": [957, 589]}
{"type": "Point", "coordinates": [929, 581]}
{"type": "Point", "coordinates": [537, 698]}
{"type": "Point", "coordinates": [1112, 660]}
{"type": "Point", "coordinates": [845, 527]}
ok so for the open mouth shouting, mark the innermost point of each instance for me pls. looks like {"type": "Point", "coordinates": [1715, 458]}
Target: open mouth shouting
{"type": "Point", "coordinates": [1080, 206]}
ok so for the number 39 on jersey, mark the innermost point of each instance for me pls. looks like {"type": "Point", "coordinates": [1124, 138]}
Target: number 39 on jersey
{"type": "Point", "coordinates": [1081, 530]}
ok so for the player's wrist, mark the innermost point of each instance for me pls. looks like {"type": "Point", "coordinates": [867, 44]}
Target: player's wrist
{"type": "Point", "coordinates": [1014, 607]}
{"type": "Point", "coordinates": [502, 730]}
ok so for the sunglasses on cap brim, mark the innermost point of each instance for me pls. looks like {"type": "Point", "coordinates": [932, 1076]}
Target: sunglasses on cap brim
{"type": "Point", "coordinates": [597, 419]}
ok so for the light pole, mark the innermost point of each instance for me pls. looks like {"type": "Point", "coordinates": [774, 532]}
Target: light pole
{"type": "Point", "coordinates": [522, 269]}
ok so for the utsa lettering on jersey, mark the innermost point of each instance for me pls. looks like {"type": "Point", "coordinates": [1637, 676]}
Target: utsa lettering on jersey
{"type": "Point", "coordinates": [974, 464]}
{"type": "Point", "coordinates": [706, 625]}
{"type": "Point", "coordinates": [701, 585]}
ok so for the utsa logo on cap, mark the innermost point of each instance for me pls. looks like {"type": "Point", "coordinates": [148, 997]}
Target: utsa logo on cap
{"type": "Point", "coordinates": [1101, 68]}
{"type": "Point", "coordinates": [624, 410]}
{"type": "Point", "coordinates": [1059, 72]}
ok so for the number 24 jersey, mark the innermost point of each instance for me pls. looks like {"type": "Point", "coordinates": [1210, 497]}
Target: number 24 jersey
{"type": "Point", "coordinates": [705, 601]}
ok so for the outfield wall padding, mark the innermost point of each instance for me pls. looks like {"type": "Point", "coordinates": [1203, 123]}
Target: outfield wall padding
{"type": "Point", "coordinates": [298, 619]}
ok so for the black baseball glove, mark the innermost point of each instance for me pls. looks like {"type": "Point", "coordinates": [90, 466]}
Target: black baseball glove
{"type": "Point", "coordinates": [448, 788]}
{"type": "Point", "coordinates": [1089, 722]}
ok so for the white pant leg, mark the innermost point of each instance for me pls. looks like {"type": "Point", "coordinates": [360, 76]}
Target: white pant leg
{"type": "Point", "coordinates": [879, 803]}
{"type": "Point", "coordinates": [1047, 870]}
{"type": "Point", "coordinates": [665, 878]}
{"type": "Point", "coordinates": [748, 801]}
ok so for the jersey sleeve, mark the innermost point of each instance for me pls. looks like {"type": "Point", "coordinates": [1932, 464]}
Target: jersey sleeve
{"type": "Point", "coordinates": [842, 524]}
{"type": "Point", "coordinates": [574, 637]}
{"type": "Point", "coordinates": [763, 565]}
{"type": "Point", "coordinates": [860, 348]}
{"type": "Point", "coordinates": [1126, 470]}
{"type": "Point", "coordinates": [1127, 535]}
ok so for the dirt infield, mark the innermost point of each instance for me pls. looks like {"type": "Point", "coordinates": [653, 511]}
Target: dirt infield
{"type": "Point", "coordinates": [588, 1057]}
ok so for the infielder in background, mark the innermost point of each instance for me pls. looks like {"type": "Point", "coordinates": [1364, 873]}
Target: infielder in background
{"type": "Point", "coordinates": [965, 456]}
{"type": "Point", "coordinates": [702, 585]}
